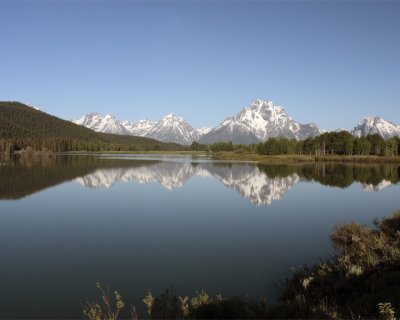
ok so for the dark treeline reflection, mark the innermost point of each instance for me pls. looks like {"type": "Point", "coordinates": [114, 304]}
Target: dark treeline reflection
{"type": "Point", "coordinates": [338, 175]}
{"type": "Point", "coordinates": [23, 175]}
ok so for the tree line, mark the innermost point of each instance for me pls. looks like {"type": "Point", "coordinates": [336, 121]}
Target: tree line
{"type": "Point", "coordinates": [338, 143]}
{"type": "Point", "coordinates": [335, 143]}
{"type": "Point", "coordinates": [25, 128]}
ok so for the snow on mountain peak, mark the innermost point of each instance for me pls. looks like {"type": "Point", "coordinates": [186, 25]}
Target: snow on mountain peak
{"type": "Point", "coordinates": [376, 125]}
{"type": "Point", "coordinates": [172, 128]}
{"type": "Point", "coordinates": [97, 122]}
{"type": "Point", "coordinates": [204, 130]}
{"type": "Point", "coordinates": [265, 104]}
{"type": "Point", "coordinates": [259, 122]}
{"type": "Point", "coordinates": [172, 117]}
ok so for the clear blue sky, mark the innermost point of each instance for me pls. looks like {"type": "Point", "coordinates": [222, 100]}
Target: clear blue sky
{"type": "Point", "coordinates": [329, 62]}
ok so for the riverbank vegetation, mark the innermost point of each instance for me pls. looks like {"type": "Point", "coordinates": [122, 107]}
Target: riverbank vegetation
{"type": "Point", "coordinates": [330, 146]}
{"type": "Point", "coordinates": [362, 281]}
{"type": "Point", "coordinates": [295, 158]}
{"type": "Point", "coordinates": [340, 143]}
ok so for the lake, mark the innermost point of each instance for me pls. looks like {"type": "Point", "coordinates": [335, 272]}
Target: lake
{"type": "Point", "coordinates": [140, 222]}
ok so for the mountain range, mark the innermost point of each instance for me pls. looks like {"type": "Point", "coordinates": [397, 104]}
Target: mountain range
{"type": "Point", "coordinates": [258, 122]}
{"type": "Point", "coordinates": [376, 125]}
{"type": "Point", "coordinates": [23, 126]}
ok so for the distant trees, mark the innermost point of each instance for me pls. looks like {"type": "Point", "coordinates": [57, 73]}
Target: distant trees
{"type": "Point", "coordinates": [195, 146]}
{"type": "Point", "coordinates": [22, 127]}
{"type": "Point", "coordinates": [276, 146]}
{"type": "Point", "coordinates": [339, 143]}
{"type": "Point", "coordinates": [221, 147]}
{"type": "Point", "coordinates": [336, 143]}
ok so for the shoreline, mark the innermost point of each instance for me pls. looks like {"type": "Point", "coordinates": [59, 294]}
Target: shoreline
{"type": "Point", "coordinates": [264, 159]}
{"type": "Point", "coordinates": [232, 156]}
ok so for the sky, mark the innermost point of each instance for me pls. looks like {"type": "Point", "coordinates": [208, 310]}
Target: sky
{"type": "Point", "coordinates": [328, 62]}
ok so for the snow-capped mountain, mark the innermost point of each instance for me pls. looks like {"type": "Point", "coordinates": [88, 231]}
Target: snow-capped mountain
{"type": "Point", "coordinates": [172, 128]}
{"type": "Point", "coordinates": [202, 131]}
{"type": "Point", "coordinates": [99, 123]}
{"type": "Point", "coordinates": [258, 122]}
{"type": "Point", "coordinates": [373, 125]}
{"type": "Point", "coordinates": [140, 128]}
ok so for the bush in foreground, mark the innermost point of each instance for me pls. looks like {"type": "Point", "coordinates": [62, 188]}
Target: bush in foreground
{"type": "Point", "coordinates": [362, 281]}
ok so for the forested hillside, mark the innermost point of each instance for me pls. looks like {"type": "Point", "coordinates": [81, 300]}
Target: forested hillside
{"type": "Point", "coordinates": [23, 127]}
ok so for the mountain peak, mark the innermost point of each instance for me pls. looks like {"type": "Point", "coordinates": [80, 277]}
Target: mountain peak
{"type": "Point", "coordinates": [376, 125]}
{"type": "Point", "coordinates": [172, 116]}
{"type": "Point", "coordinates": [91, 115]}
{"type": "Point", "coordinates": [258, 122]}
{"type": "Point", "coordinates": [260, 103]}
{"type": "Point", "coordinates": [172, 128]}
{"type": "Point", "coordinates": [97, 122]}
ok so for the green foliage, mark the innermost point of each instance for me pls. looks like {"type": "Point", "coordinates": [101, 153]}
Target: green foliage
{"type": "Point", "coordinates": [195, 146]}
{"type": "Point", "coordinates": [22, 175]}
{"type": "Point", "coordinates": [221, 146]}
{"type": "Point", "coordinates": [23, 127]}
{"type": "Point", "coordinates": [363, 274]}
{"type": "Point", "coordinates": [334, 143]}
{"type": "Point", "coordinates": [276, 146]}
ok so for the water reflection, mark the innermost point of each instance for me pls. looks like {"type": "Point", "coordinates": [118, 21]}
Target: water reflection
{"type": "Point", "coordinates": [260, 184]}
{"type": "Point", "coordinates": [248, 180]}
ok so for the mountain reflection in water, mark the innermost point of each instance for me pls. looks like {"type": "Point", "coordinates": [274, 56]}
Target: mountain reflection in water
{"type": "Point", "coordinates": [248, 180]}
{"type": "Point", "coordinates": [260, 184]}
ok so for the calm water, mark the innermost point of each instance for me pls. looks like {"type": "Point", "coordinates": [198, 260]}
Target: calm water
{"type": "Point", "coordinates": [153, 222]}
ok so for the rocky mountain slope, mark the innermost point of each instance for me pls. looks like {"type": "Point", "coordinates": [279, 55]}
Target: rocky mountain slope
{"type": "Point", "coordinates": [376, 125]}
{"type": "Point", "coordinates": [170, 128]}
{"type": "Point", "coordinates": [259, 122]}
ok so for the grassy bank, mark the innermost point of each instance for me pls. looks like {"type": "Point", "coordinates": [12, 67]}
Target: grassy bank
{"type": "Point", "coordinates": [264, 159]}
{"type": "Point", "coordinates": [362, 159]}
{"type": "Point", "coordinates": [182, 152]}
{"type": "Point", "coordinates": [302, 158]}
{"type": "Point", "coordinates": [240, 156]}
